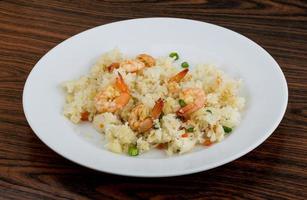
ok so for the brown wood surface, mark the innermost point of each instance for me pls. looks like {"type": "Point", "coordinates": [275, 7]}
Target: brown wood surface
{"type": "Point", "coordinates": [30, 170]}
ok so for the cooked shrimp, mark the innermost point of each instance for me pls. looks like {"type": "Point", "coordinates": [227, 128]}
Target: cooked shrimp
{"type": "Point", "coordinates": [114, 97]}
{"type": "Point", "coordinates": [195, 99]}
{"type": "Point", "coordinates": [172, 84]}
{"type": "Point", "coordinates": [141, 120]}
{"type": "Point", "coordinates": [132, 65]}
{"type": "Point", "coordinates": [148, 60]}
{"type": "Point", "coordinates": [178, 77]}
{"type": "Point", "coordinates": [128, 65]}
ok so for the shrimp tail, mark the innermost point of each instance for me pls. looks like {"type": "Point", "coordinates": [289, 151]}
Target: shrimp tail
{"type": "Point", "coordinates": [124, 97]}
{"type": "Point", "coordinates": [113, 66]}
{"type": "Point", "coordinates": [149, 121]}
{"type": "Point", "coordinates": [157, 109]}
{"type": "Point", "coordinates": [120, 84]}
{"type": "Point", "coordinates": [178, 77]}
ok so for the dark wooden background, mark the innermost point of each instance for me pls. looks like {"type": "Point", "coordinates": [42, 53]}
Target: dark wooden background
{"type": "Point", "coordinates": [30, 170]}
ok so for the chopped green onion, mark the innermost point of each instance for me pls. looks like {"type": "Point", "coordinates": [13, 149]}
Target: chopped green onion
{"type": "Point", "coordinates": [227, 129]}
{"type": "Point", "coordinates": [209, 111]}
{"type": "Point", "coordinates": [182, 103]}
{"type": "Point", "coordinates": [190, 130]}
{"type": "Point", "coordinates": [174, 55]}
{"type": "Point", "coordinates": [133, 151]}
{"type": "Point", "coordinates": [185, 65]}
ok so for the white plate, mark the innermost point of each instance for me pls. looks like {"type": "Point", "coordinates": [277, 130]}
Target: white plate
{"type": "Point", "coordinates": [265, 89]}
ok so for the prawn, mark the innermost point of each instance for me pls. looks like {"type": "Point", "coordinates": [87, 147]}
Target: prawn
{"type": "Point", "coordinates": [148, 60]}
{"type": "Point", "coordinates": [134, 65]}
{"type": "Point", "coordinates": [195, 96]}
{"type": "Point", "coordinates": [178, 77]}
{"type": "Point", "coordinates": [114, 97]}
{"type": "Point", "coordinates": [128, 65]}
{"type": "Point", "coordinates": [172, 84]}
{"type": "Point", "coordinates": [141, 120]}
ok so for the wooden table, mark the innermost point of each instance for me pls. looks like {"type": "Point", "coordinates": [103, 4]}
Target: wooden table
{"type": "Point", "coordinates": [30, 170]}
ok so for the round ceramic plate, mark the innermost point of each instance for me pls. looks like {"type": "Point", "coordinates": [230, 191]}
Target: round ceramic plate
{"type": "Point", "coordinates": [265, 89]}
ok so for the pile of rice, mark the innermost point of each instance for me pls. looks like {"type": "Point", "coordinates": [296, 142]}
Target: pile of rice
{"type": "Point", "coordinates": [222, 108]}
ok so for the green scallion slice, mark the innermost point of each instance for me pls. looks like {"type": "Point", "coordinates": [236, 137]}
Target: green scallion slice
{"type": "Point", "coordinates": [227, 129]}
{"type": "Point", "coordinates": [190, 129]}
{"type": "Point", "coordinates": [174, 55]}
{"type": "Point", "coordinates": [182, 103]}
{"type": "Point", "coordinates": [133, 151]}
{"type": "Point", "coordinates": [185, 65]}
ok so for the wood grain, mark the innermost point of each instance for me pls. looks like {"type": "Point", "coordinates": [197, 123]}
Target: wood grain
{"type": "Point", "coordinates": [30, 170]}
